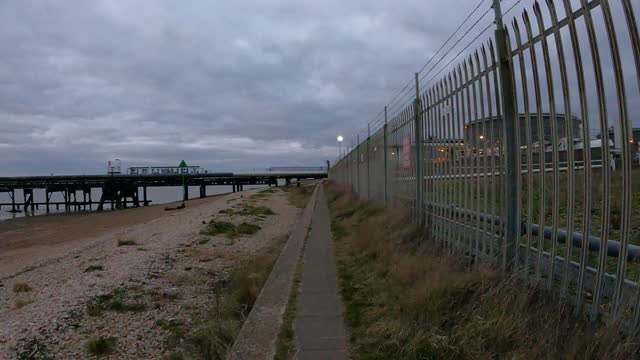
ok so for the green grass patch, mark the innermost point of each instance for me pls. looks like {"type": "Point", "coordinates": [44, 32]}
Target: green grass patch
{"type": "Point", "coordinates": [217, 227]}
{"type": "Point", "coordinates": [119, 300]}
{"type": "Point", "coordinates": [264, 194]}
{"type": "Point", "coordinates": [249, 210]}
{"type": "Point", "coordinates": [126, 242]}
{"type": "Point", "coordinates": [232, 231]}
{"type": "Point", "coordinates": [93, 268]}
{"type": "Point", "coordinates": [101, 346]}
{"type": "Point", "coordinates": [247, 229]}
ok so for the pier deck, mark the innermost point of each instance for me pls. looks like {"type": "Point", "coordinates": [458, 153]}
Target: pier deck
{"type": "Point", "coordinates": [123, 190]}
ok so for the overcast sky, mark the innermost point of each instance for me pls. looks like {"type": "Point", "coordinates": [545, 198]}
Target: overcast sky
{"type": "Point", "coordinates": [228, 85]}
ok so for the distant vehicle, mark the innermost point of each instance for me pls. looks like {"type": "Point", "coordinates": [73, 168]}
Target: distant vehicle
{"type": "Point", "coordinates": [165, 170]}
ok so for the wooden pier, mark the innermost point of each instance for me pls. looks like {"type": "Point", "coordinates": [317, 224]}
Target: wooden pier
{"type": "Point", "coordinates": [122, 191]}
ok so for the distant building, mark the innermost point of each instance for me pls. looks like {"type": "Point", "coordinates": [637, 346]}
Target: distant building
{"type": "Point", "coordinates": [297, 168]}
{"type": "Point", "coordinates": [165, 170]}
{"type": "Point", "coordinates": [478, 132]}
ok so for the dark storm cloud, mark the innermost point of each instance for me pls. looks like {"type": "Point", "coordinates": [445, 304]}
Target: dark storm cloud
{"type": "Point", "coordinates": [226, 85]}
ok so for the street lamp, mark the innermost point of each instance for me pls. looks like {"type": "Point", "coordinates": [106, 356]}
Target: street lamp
{"type": "Point", "coordinates": [340, 139]}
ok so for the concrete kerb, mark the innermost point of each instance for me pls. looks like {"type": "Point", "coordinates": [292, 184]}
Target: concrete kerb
{"type": "Point", "coordinates": [258, 336]}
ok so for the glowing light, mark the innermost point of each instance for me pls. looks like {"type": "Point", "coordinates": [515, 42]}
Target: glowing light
{"type": "Point", "coordinates": [340, 138]}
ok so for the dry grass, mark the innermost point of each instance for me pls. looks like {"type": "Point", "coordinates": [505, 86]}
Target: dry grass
{"type": "Point", "coordinates": [407, 300]}
{"type": "Point", "coordinates": [299, 196]}
{"type": "Point", "coordinates": [285, 345]}
{"type": "Point", "coordinates": [101, 346]}
{"type": "Point", "coordinates": [21, 287]}
{"type": "Point", "coordinates": [20, 303]}
{"type": "Point", "coordinates": [235, 297]}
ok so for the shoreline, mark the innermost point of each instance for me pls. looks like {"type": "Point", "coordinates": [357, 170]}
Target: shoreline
{"type": "Point", "coordinates": [8, 215]}
{"type": "Point", "coordinates": [28, 240]}
{"type": "Point", "coordinates": [158, 257]}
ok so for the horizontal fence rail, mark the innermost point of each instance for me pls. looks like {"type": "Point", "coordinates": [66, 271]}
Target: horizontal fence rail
{"type": "Point", "coordinates": [525, 155]}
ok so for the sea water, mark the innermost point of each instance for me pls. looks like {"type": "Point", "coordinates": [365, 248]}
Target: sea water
{"type": "Point", "coordinates": [156, 195]}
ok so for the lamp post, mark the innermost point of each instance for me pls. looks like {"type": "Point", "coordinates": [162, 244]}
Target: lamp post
{"type": "Point", "coordinates": [340, 139]}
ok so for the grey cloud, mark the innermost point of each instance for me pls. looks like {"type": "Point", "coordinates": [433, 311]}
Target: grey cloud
{"type": "Point", "coordinates": [227, 85]}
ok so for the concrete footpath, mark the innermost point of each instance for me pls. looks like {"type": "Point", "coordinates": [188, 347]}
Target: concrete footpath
{"type": "Point", "coordinates": [319, 324]}
{"type": "Point", "coordinates": [259, 333]}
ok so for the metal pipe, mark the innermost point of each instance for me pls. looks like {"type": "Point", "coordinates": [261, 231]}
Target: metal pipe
{"type": "Point", "coordinates": [613, 247]}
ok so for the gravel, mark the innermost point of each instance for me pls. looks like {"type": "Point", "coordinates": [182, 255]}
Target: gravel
{"type": "Point", "coordinates": [171, 269]}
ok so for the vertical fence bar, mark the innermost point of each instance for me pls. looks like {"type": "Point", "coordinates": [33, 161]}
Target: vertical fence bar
{"type": "Point", "coordinates": [486, 116]}
{"type": "Point", "coordinates": [385, 147]}
{"type": "Point", "coordinates": [568, 122]}
{"type": "Point", "coordinates": [456, 158]}
{"type": "Point", "coordinates": [428, 171]}
{"type": "Point", "coordinates": [447, 141]}
{"type": "Point", "coordinates": [468, 159]}
{"type": "Point", "coordinates": [440, 189]}
{"type": "Point", "coordinates": [540, 138]}
{"type": "Point", "coordinates": [418, 161]}
{"type": "Point", "coordinates": [487, 248]}
{"type": "Point", "coordinates": [496, 144]}
{"type": "Point", "coordinates": [358, 165]}
{"type": "Point", "coordinates": [605, 152]}
{"type": "Point", "coordinates": [368, 161]}
{"type": "Point", "coordinates": [490, 171]}
{"type": "Point", "coordinates": [446, 118]}
{"type": "Point", "coordinates": [555, 203]}
{"type": "Point", "coordinates": [506, 87]}
{"type": "Point", "coordinates": [476, 168]}
{"type": "Point", "coordinates": [529, 142]}
{"type": "Point", "coordinates": [626, 194]}
{"type": "Point", "coordinates": [635, 44]}
{"type": "Point", "coordinates": [434, 190]}
{"type": "Point", "coordinates": [586, 154]}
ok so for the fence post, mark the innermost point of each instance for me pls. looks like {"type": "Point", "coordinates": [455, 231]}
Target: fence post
{"type": "Point", "coordinates": [368, 161]}
{"type": "Point", "coordinates": [418, 160]}
{"type": "Point", "coordinates": [384, 145]}
{"type": "Point", "coordinates": [509, 118]}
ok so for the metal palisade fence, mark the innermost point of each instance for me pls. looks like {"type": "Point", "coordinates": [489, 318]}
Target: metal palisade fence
{"type": "Point", "coordinates": [526, 154]}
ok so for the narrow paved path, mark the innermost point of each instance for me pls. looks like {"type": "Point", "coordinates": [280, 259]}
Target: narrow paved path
{"type": "Point", "coordinates": [319, 324]}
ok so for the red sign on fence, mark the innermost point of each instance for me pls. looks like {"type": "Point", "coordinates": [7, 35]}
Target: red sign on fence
{"type": "Point", "coordinates": [406, 152]}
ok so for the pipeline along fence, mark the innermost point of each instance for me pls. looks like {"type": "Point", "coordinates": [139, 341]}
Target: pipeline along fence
{"type": "Point", "coordinates": [526, 155]}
